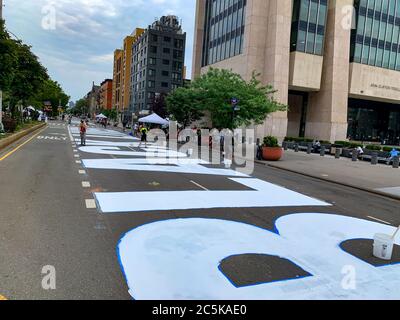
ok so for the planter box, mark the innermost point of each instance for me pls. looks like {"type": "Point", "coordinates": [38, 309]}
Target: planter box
{"type": "Point", "coordinates": [272, 154]}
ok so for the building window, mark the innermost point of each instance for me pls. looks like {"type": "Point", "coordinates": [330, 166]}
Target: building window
{"type": "Point", "coordinates": [308, 26]}
{"type": "Point", "coordinates": [375, 41]}
{"type": "Point", "coordinates": [167, 39]}
{"type": "Point", "coordinates": [178, 43]}
{"type": "Point", "coordinates": [164, 84]}
{"type": "Point", "coordinates": [165, 62]}
{"type": "Point", "coordinates": [167, 50]}
{"type": "Point", "coordinates": [154, 38]}
{"type": "Point", "coordinates": [165, 73]}
{"type": "Point", "coordinates": [177, 66]}
{"type": "Point", "coordinates": [224, 30]}
{"type": "Point", "coordinates": [153, 49]}
{"type": "Point", "coordinates": [178, 54]}
{"type": "Point", "coordinates": [151, 72]}
{"type": "Point", "coordinates": [152, 61]}
{"type": "Point", "coordinates": [151, 84]}
{"type": "Point", "coordinates": [176, 76]}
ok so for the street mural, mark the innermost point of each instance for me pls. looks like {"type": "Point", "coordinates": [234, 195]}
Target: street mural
{"type": "Point", "coordinates": [264, 194]}
{"type": "Point", "coordinates": [179, 259]}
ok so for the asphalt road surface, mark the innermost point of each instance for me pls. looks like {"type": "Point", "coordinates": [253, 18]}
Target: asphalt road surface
{"type": "Point", "coordinates": [100, 225]}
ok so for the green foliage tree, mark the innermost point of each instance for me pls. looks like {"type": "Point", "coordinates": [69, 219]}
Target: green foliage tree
{"type": "Point", "coordinates": [8, 58]}
{"type": "Point", "coordinates": [81, 107]}
{"type": "Point", "coordinates": [182, 106]}
{"type": "Point", "coordinates": [23, 78]}
{"type": "Point", "coordinates": [212, 93]}
{"type": "Point", "coordinates": [49, 91]}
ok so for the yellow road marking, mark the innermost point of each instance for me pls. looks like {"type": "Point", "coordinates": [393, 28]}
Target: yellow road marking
{"type": "Point", "coordinates": [20, 146]}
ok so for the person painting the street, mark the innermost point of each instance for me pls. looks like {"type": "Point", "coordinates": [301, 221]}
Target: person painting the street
{"type": "Point", "coordinates": [143, 132]}
{"type": "Point", "coordinates": [82, 131]}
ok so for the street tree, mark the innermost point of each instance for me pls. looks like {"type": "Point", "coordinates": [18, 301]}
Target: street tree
{"type": "Point", "coordinates": [159, 105]}
{"type": "Point", "coordinates": [183, 107]}
{"type": "Point", "coordinates": [213, 92]}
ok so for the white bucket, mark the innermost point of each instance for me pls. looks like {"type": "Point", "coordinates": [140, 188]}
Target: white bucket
{"type": "Point", "coordinates": [228, 163]}
{"type": "Point", "coordinates": [383, 246]}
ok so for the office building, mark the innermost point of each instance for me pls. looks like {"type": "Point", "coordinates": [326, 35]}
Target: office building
{"type": "Point", "coordinates": [157, 63]}
{"type": "Point", "coordinates": [337, 69]}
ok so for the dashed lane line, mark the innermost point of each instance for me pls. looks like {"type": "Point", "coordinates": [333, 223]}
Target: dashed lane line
{"type": "Point", "coordinates": [90, 204]}
{"type": "Point", "coordinates": [379, 220]}
{"type": "Point", "coordinates": [82, 172]}
{"type": "Point", "coordinates": [199, 185]}
{"type": "Point", "coordinates": [85, 184]}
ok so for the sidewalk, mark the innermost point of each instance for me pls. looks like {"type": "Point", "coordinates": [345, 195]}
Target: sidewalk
{"type": "Point", "coordinates": [379, 179]}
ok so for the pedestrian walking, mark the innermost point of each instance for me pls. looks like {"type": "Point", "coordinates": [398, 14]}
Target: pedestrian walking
{"type": "Point", "coordinates": [143, 132]}
{"type": "Point", "coordinates": [393, 154]}
{"type": "Point", "coordinates": [124, 124]}
{"type": "Point", "coordinates": [82, 131]}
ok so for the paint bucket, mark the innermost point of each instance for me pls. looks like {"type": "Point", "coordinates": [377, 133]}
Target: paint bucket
{"type": "Point", "coordinates": [383, 246]}
{"type": "Point", "coordinates": [228, 163]}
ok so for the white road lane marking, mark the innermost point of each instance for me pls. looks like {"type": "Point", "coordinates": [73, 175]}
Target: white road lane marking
{"type": "Point", "coordinates": [199, 185]}
{"type": "Point", "coordinates": [82, 172]}
{"type": "Point", "coordinates": [78, 161]}
{"type": "Point", "coordinates": [76, 155]}
{"type": "Point", "coordinates": [376, 219]}
{"type": "Point", "coordinates": [90, 204]}
{"type": "Point", "coordinates": [85, 184]}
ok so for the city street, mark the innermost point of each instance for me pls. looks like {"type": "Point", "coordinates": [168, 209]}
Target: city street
{"type": "Point", "coordinates": [117, 225]}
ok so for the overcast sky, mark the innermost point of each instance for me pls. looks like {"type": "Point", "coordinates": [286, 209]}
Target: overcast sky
{"type": "Point", "coordinates": [78, 48]}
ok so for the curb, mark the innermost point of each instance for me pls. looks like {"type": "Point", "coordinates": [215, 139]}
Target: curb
{"type": "Point", "coordinates": [15, 137]}
{"type": "Point", "coordinates": [349, 185]}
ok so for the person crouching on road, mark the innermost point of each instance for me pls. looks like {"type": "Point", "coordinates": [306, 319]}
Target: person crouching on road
{"type": "Point", "coordinates": [143, 132]}
{"type": "Point", "coordinates": [82, 131]}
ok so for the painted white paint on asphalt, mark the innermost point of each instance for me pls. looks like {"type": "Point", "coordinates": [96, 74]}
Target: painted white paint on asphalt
{"type": "Point", "coordinates": [85, 184]}
{"type": "Point", "coordinates": [90, 204]}
{"type": "Point", "coordinates": [82, 172]}
{"type": "Point", "coordinates": [179, 259]}
{"type": "Point", "coordinates": [166, 165]}
{"type": "Point", "coordinates": [394, 191]}
{"type": "Point", "coordinates": [199, 185]}
{"type": "Point", "coordinates": [76, 155]}
{"type": "Point", "coordinates": [264, 194]}
{"type": "Point", "coordinates": [118, 152]}
{"type": "Point", "coordinates": [78, 161]}
{"type": "Point", "coordinates": [379, 220]}
{"type": "Point", "coordinates": [108, 137]}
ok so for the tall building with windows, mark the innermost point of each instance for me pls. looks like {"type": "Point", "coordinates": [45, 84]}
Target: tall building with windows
{"type": "Point", "coordinates": [117, 80]}
{"type": "Point", "coordinates": [122, 73]}
{"type": "Point", "coordinates": [335, 63]}
{"type": "Point", "coordinates": [106, 94]}
{"type": "Point", "coordinates": [158, 57]}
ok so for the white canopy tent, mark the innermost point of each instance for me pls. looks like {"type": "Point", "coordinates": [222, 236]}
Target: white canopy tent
{"type": "Point", "coordinates": [154, 119]}
{"type": "Point", "coordinates": [101, 116]}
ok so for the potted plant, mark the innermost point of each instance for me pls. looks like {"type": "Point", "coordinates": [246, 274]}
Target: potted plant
{"type": "Point", "coordinates": [271, 150]}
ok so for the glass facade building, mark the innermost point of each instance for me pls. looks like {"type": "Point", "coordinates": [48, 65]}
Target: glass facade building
{"type": "Point", "coordinates": [376, 42]}
{"type": "Point", "coordinates": [224, 30]}
{"type": "Point", "coordinates": [308, 26]}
